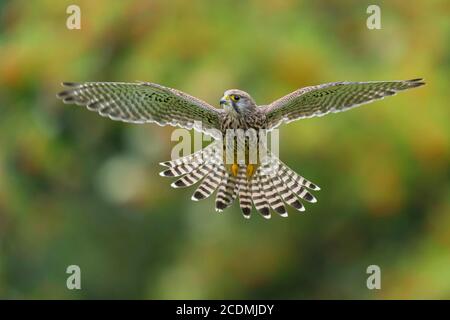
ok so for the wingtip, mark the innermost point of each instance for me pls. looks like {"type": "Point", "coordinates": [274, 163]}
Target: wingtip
{"type": "Point", "coordinates": [416, 82]}
{"type": "Point", "coordinates": [69, 84]}
{"type": "Point", "coordinates": [66, 94]}
{"type": "Point", "coordinates": [63, 94]}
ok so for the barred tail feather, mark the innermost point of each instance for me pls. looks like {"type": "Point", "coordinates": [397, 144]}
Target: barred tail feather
{"type": "Point", "coordinates": [293, 184]}
{"type": "Point", "coordinates": [208, 185]}
{"type": "Point", "coordinates": [272, 186]}
{"type": "Point", "coordinates": [189, 164]}
{"type": "Point", "coordinates": [258, 197]}
{"type": "Point", "coordinates": [245, 200]}
{"type": "Point", "coordinates": [296, 183]}
{"type": "Point", "coordinates": [181, 169]}
{"type": "Point", "coordinates": [271, 193]}
{"type": "Point", "coordinates": [193, 177]}
{"type": "Point", "coordinates": [195, 157]}
{"type": "Point", "coordinates": [284, 191]}
{"type": "Point", "coordinates": [297, 178]}
{"type": "Point", "coordinates": [226, 190]}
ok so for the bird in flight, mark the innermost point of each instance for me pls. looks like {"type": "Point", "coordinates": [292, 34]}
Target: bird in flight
{"type": "Point", "coordinates": [267, 183]}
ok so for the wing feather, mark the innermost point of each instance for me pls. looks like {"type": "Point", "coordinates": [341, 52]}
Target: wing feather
{"type": "Point", "coordinates": [320, 100]}
{"type": "Point", "coordinates": [144, 102]}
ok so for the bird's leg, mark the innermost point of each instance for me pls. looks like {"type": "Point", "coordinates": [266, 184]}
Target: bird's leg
{"type": "Point", "coordinates": [234, 169]}
{"type": "Point", "coordinates": [251, 168]}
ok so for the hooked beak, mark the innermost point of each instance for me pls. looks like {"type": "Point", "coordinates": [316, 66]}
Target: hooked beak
{"type": "Point", "coordinates": [227, 101]}
{"type": "Point", "coordinates": [224, 100]}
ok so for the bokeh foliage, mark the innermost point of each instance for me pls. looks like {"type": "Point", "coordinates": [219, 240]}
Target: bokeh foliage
{"type": "Point", "coordinates": [76, 188]}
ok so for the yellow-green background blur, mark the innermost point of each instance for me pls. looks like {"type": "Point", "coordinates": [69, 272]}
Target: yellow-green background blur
{"type": "Point", "coordinates": [76, 188]}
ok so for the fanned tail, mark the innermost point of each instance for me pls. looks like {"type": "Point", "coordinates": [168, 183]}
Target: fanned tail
{"type": "Point", "coordinates": [272, 186]}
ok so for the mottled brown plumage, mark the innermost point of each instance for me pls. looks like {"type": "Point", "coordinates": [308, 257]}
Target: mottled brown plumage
{"type": "Point", "coordinates": [269, 183]}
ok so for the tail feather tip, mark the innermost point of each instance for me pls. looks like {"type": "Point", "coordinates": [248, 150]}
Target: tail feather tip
{"type": "Point", "coordinates": [314, 187]}
{"type": "Point", "coordinates": [178, 184]}
{"type": "Point", "coordinates": [220, 206]}
{"type": "Point", "coordinates": [281, 210]}
{"type": "Point", "coordinates": [246, 212]}
{"type": "Point", "coordinates": [197, 196]}
{"type": "Point", "coordinates": [265, 212]}
{"type": "Point", "coordinates": [166, 173]}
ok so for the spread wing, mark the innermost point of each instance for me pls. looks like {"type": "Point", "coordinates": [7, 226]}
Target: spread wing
{"type": "Point", "coordinates": [143, 102]}
{"type": "Point", "coordinates": [320, 100]}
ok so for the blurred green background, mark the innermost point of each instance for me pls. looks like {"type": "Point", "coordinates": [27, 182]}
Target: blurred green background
{"type": "Point", "coordinates": [76, 188]}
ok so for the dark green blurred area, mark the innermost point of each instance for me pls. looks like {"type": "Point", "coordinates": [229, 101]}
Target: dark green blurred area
{"type": "Point", "coordinates": [76, 188]}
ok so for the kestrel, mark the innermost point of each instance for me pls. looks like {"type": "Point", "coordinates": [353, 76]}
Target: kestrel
{"type": "Point", "coordinates": [266, 184]}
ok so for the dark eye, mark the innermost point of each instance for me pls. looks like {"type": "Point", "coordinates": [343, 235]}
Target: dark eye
{"type": "Point", "coordinates": [235, 97]}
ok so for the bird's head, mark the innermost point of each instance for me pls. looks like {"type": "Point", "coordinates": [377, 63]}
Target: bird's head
{"type": "Point", "coordinates": [237, 102]}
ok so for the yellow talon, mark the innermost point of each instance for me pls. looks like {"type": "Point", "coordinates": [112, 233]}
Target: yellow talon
{"type": "Point", "coordinates": [250, 170]}
{"type": "Point", "coordinates": [234, 169]}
